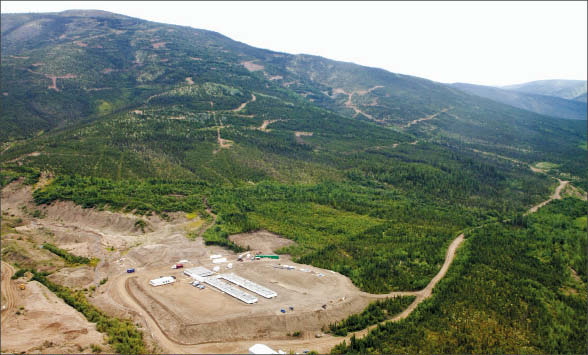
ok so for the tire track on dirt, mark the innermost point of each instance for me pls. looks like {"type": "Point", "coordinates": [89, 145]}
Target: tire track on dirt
{"type": "Point", "coordinates": [8, 291]}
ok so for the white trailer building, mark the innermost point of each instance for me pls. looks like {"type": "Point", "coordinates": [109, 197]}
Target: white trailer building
{"type": "Point", "coordinates": [162, 281]}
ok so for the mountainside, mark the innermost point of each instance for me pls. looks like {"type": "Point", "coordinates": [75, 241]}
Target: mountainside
{"type": "Point", "coordinates": [542, 104]}
{"type": "Point", "coordinates": [369, 173]}
{"type": "Point", "coordinates": [566, 89]}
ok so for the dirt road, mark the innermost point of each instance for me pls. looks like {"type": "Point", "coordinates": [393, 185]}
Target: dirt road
{"type": "Point", "coordinates": [327, 342]}
{"type": "Point", "coordinates": [244, 104]}
{"type": "Point", "coordinates": [426, 118]}
{"type": "Point", "coordinates": [357, 110]}
{"type": "Point", "coordinates": [223, 143]}
{"type": "Point", "coordinates": [8, 291]}
{"type": "Point", "coordinates": [555, 196]}
{"type": "Point", "coordinates": [266, 123]}
{"type": "Point", "coordinates": [323, 344]}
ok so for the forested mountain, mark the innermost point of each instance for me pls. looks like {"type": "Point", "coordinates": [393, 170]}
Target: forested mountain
{"type": "Point", "coordinates": [566, 89]}
{"type": "Point", "coordinates": [372, 173]}
{"type": "Point", "coordinates": [546, 105]}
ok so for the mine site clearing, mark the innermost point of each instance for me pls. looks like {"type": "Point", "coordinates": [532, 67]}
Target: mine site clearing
{"type": "Point", "coordinates": [260, 286]}
{"type": "Point", "coordinates": [282, 296]}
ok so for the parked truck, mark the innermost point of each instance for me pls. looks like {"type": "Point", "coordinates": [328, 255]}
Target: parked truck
{"type": "Point", "coordinates": [131, 270]}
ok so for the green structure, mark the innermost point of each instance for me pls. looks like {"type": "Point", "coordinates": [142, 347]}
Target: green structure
{"type": "Point", "coordinates": [268, 256]}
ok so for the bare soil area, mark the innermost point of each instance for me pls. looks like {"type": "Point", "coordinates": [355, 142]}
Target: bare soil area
{"type": "Point", "coordinates": [266, 123]}
{"type": "Point", "coordinates": [299, 135]}
{"type": "Point", "coordinates": [45, 324]}
{"type": "Point", "coordinates": [77, 278]}
{"type": "Point", "coordinates": [249, 65]}
{"type": "Point", "coordinates": [54, 80]}
{"type": "Point", "coordinates": [179, 317]}
{"type": "Point", "coordinates": [158, 45]}
{"type": "Point", "coordinates": [263, 241]}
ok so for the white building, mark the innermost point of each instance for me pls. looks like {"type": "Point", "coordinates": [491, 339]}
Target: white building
{"type": "Point", "coordinates": [198, 272]}
{"type": "Point", "coordinates": [261, 349]}
{"type": "Point", "coordinates": [162, 281]}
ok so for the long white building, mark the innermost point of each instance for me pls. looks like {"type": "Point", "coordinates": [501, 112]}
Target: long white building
{"type": "Point", "coordinates": [198, 272]}
{"type": "Point", "coordinates": [250, 285]}
{"type": "Point", "coordinates": [230, 290]}
{"type": "Point", "coordinates": [162, 281]}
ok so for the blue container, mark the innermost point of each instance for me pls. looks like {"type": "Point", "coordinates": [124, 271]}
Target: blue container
{"type": "Point", "coordinates": [130, 271]}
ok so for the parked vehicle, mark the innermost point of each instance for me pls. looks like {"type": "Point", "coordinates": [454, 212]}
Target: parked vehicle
{"type": "Point", "coordinates": [131, 270]}
{"type": "Point", "coordinates": [177, 266]}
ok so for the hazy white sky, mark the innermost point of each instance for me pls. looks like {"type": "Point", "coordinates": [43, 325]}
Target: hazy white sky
{"type": "Point", "coordinates": [489, 43]}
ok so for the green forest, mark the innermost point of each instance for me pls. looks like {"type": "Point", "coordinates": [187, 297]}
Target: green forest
{"type": "Point", "coordinates": [375, 313]}
{"type": "Point", "coordinates": [149, 118]}
{"type": "Point", "coordinates": [513, 288]}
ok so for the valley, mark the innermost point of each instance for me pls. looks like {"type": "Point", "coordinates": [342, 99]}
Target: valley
{"type": "Point", "coordinates": [389, 213]}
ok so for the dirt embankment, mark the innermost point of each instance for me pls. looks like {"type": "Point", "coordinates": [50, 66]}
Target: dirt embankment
{"type": "Point", "coordinates": [35, 320]}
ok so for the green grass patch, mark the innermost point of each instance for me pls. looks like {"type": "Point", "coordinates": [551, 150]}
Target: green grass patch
{"type": "Point", "coordinates": [544, 165]}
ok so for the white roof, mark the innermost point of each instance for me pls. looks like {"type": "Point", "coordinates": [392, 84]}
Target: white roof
{"type": "Point", "coordinates": [261, 349]}
{"type": "Point", "coordinates": [230, 290]}
{"type": "Point", "coordinates": [251, 286]}
{"type": "Point", "coordinates": [162, 281]}
{"type": "Point", "coordinates": [200, 271]}
{"type": "Point", "coordinates": [219, 260]}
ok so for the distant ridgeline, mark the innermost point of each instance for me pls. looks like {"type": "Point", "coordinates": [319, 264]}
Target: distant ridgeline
{"type": "Point", "coordinates": [371, 173]}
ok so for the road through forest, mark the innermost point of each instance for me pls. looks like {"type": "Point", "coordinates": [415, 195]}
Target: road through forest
{"type": "Point", "coordinates": [323, 344]}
